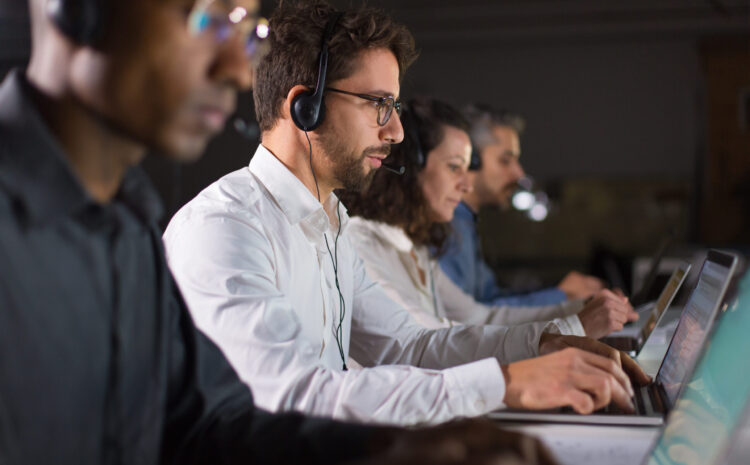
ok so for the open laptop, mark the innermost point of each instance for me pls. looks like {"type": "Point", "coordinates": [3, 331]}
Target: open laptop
{"type": "Point", "coordinates": [633, 344]}
{"type": "Point", "coordinates": [709, 413]}
{"type": "Point", "coordinates": [707, 426]}
{"type": "Point", "coordinates": [653, 401]}
{"type": "Point", "coordinates": [640, 297]}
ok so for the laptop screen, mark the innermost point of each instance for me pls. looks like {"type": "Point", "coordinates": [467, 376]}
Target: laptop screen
{"type": "Point", "coordinates": [693, 324]}
{"type": "Point", "coordinates": [665, 298]}
{"type": "Point", "coordinates": [701, 424]}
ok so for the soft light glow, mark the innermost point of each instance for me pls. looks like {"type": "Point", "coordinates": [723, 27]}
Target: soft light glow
{"type": "Point", "coordinates": [538, 212]}
{"type": "Point", "coordinates": [262, 30]}
{"type": "Point", "coordinates": [237, 15]}
{"type": "Point", "coordinates": [523, 200]}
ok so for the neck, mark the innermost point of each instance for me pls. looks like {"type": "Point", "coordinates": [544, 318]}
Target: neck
{"type": "Point", "coordinates": [291, 148]}
{"type": "Point", "coordinates": [472, 201]}
{"type": "Point", "coordinates": [97, 155]}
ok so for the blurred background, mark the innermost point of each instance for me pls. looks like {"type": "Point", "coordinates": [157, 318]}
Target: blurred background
{"type": "Point", "coordinates": [637, 111]}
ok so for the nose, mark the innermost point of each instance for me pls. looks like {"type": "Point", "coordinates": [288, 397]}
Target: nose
{"type": "Point", "coordinates": [393, 131]}
{"type": "Point", "coordinates": [231, 65]}
{"type": "Point", "coordinates": [465, 184]}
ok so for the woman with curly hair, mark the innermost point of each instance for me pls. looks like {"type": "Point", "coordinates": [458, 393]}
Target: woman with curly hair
{"type": "Point", "coordinates": [400, 225]}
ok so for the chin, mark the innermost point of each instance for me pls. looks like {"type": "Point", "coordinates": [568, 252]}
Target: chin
{"type": "Point", "coordinates": [185, 149]}
{"type": "Point", "coordinates": [444, 217]}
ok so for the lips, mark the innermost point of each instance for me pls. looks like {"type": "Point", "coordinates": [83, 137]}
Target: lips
{"type": "Point", "coordinates": [376, 162]}
{"type": "Point", "coordinates": [212, 117]}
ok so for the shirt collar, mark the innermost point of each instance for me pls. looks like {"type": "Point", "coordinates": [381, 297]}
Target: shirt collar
{"type": "Point", "coordinates": [34, 169]}
{"type": "Point", "coordinates": [292, 196]}
{"type": "Point", "coordinates": [394, 235]}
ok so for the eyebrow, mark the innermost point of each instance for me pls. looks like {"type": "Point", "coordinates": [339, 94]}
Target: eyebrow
{"type": "Point", "coordinates": [456, 156]}
{"type": "Point", "coordinates": [382, 93]}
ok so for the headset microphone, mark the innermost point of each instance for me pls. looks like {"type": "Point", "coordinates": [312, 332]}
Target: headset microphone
{"type": "Point", "coordinates": [249, 131]}
{"type": "Point", "coordinates": [399, 171]}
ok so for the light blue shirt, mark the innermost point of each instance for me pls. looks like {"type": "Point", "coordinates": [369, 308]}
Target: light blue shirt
{"type": "Point", "coordinates": [463, 263]}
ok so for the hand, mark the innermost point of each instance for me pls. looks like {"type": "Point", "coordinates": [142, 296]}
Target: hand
{"type": "Point", "coordinates": [569, 377]}
{"type": "Point", "coordinates": [550, 343]}
{"type": "Point", "coordinates": [606, 312]}
{"type": "Point", "coordinates": [473, 441]}
{"type": "Point", "coordinates": [576, 285]}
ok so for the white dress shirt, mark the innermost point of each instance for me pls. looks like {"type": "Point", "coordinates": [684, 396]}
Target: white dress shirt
{"type": "Point", "coordinates": [249, 254]}
{"type": "Point", "coordinates": [416, 281]}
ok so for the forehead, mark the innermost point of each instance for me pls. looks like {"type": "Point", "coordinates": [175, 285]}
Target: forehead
{"type": "Point", "coordinates": [455, 144]}
{"type": "Point", "coordinates": [376, 71]}
{"type": "Point", "coordinates": [506, 140]}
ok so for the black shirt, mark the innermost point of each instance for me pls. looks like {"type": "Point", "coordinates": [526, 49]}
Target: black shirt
{"type": "Point", "coordinates": [99, 360]}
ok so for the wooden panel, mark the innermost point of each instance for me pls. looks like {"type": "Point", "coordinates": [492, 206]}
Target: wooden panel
{"type": "Point", "coordinates": [724, 206]}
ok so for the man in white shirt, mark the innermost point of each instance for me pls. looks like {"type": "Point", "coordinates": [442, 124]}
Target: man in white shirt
{"type": "Point", "coordinates": [265, 265]}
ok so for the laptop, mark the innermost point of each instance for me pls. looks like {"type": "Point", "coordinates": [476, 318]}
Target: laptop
{"type": "Point", "coordinates": [653, 401]}
{"type": "Point", "coordinates": [640, 298]}
{"type": "Point", "coordinates": [707, 420]}
{"type": "Point", "coordinates": [709, 425]}
{"type": "Point", "coordinates": [632, 345]}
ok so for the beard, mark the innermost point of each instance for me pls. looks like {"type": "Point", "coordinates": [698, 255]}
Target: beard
{"type": "Point", "coordinates": [349, 168]}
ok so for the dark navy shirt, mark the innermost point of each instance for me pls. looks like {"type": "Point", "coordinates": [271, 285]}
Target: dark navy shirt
{"type": "Point", "coordinates": [99, 360]}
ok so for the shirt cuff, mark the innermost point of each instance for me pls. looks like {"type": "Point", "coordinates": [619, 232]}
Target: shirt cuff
{"type": "Point", "coordinates": [569, 326]}
{"type": "Point", "coordinates": [475, 388]}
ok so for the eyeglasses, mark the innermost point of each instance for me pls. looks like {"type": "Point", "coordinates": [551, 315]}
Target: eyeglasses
{"type": "Point", "coordinates": [221, 19]}
{"type": "Point", "coordinates": [385, 105]}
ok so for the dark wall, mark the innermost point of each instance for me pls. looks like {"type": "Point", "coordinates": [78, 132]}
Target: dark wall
{"type": "Point", "coordinates": [610, 89]}
{"type": "Point", "coordinates": [618, 107]}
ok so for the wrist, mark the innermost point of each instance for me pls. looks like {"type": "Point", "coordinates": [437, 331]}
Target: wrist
{"type": "Point", "coordinates": [545, 340]}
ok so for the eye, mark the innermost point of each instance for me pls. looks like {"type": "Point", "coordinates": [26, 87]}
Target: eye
{"type": "Point", "coordinates": [454, 167]}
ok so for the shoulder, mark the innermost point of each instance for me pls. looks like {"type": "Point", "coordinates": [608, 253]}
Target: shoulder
{"type": "Point", "coordinates": [236, 201]}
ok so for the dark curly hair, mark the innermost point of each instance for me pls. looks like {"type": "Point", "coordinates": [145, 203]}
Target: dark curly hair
{"type": "Point", "coordinates": [295, 39]}
{"type": "Point", "coordinates": [398, 200]}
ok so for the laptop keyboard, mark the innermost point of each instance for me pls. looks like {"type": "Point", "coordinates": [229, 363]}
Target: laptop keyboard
{"type": "Point", "coordinates": [646, 402]}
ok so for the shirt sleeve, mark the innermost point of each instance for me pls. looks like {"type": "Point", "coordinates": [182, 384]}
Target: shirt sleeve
{"type": "Point", "coordinates": [225, 269]}
{"type": "Point", "coordinates": [549, 296]}
{"type": "Point", "coordinates": [395, 292]}
{"type": "Point", "coordinates": [461, 307]}
{"type": "Point", "coordinates": [211, 417]}
{"type": "Point", "coordinates": [463, 264]}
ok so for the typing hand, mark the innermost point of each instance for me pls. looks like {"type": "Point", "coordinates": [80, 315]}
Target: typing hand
{"type": "Point", "coordinates": [576, 285]}
{"type": "Point", "coordinates": [549, 343]}
{"type": "Point", "coordinates": [606, 312]}
{"type": "Point", "coordinates": [473, 441]}
{"type": "Point", "coordinates": [571, 377]}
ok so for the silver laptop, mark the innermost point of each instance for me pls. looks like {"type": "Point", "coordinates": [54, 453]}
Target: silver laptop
{"type": "Point", "coordinates": [633, 344]}
{"type": "Point", "coordinates": [653, 401]}
{"type": "Point", "coordinates": [707, 426]}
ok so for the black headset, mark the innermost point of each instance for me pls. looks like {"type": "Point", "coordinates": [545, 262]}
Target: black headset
{"type": "Point", "coordinates": [409, 121]}
{"type": "Point", "coordinates": [80, 20]}
{"type": "Point", "coordinates": [475, 162]}
{"type": "Point", "coordinates": [307, 108]}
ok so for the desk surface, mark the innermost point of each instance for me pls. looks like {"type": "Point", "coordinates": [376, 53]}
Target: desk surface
{"type": "Point", "coordinates": [611, 445]}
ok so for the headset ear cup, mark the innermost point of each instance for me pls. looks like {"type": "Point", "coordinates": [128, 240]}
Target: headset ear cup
{"type": "Point", "coordinates": [307, 111]}
{"type": "Point", "coordinates": [77, 19]}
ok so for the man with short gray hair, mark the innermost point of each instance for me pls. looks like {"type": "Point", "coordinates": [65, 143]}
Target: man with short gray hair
{"type": "Point", "coordinates": [495, 138]}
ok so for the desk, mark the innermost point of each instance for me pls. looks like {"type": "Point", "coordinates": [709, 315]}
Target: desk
{"type": "Point", "coordinates": [611, 445]}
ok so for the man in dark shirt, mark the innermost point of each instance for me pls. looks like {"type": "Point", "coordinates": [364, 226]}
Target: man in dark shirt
{"type": "Point", "coordinates": [99, 360]}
